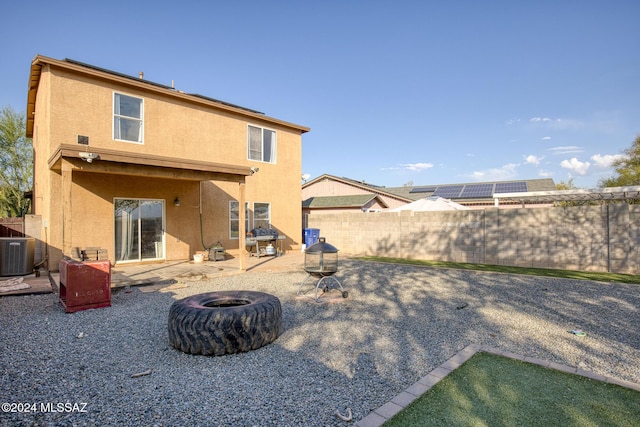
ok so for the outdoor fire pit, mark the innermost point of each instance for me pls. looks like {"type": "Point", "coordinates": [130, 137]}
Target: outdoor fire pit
{"type": "Point", "coordinates": [225, 322]}
{"type": "Point", "coordinates": [321, 262]}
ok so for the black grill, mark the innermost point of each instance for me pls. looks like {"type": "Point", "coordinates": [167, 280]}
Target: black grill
{"type": "Point", "coordinates": [264, 235]}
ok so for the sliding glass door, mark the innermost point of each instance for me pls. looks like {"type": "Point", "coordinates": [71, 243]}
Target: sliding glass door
{"type": "Point", "coordinates": [139, 226]}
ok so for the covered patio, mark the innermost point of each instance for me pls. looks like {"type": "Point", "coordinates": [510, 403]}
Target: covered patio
{"type": "Point", "coordinates": [168, 273]}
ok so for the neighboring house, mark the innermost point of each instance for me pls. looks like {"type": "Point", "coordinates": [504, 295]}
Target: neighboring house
{"type": "Point", "coordinates": [329, 185]}
{"type": "Point", "coordinates": [328, 193]}
{"type": "Point", "coordinates": [359, 202]}
{"type": "Point", "coordinates": [149, 173]}
{"type": "Point", "coordinates": [478, 195]}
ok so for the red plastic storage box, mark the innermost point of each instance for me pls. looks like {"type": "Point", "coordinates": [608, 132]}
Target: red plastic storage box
{"type": "Point", "coordinates": [85, 285]}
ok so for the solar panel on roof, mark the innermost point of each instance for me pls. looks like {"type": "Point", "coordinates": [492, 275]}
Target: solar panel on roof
{"type": "Point", "coordinates": [477, 190]}
{"type": "Point", "coordinates": [448, 191]}
{"type": "Point", "coordinates": [511, 187]}
{"type": "Point", "coordinates": [423, 189]}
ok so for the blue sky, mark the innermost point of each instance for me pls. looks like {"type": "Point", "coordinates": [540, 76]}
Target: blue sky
{"type": "Point", "coordinates": [428, 92]}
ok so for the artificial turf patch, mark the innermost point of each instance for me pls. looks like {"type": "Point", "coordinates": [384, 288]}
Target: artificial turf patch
{"type": "Point", "coordinates": [490, 390]}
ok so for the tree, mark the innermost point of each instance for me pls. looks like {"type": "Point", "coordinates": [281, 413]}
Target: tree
{"type": "Point", "coordinates": [627, 168]}
{"type": "Point", "coordinates": [16, 164]}
{"type": "Point", "coordinates": [565, 185]}
{"type": "Point", "coordinates": [570, 186]}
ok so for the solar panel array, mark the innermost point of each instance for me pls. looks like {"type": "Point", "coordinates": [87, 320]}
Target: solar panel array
{"type": "Point", "coordinates": [423, 189]}
{"type": "Point", "coordinates": [449, 191]}
{"type": "Point", "coordinates": [473, 191]}
{"type": "Point", "coordinates": [511, 187]}
{"type": "Point", "coordinates": [477, 190]}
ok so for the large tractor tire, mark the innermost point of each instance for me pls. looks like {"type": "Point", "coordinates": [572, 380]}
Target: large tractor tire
{"type": "Point", "coordinates": [226, 322]}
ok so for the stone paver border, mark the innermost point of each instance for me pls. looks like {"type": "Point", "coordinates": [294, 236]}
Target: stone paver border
{"type": "Point", "coordinates": [379, 416]}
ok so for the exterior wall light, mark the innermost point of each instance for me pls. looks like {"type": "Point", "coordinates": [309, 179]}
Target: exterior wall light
{"type": "Point", "coordinates": [176, 202]}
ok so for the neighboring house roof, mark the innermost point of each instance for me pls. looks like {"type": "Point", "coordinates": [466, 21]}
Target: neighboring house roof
{"type": "Point", "coordinates": [375, 189]}
{"type": "Point", "coordinates": [352, 201]}
{"type": "Point", "coordinates": [101, 73]}
{"type": "Point", "coordinates": [473, 191]}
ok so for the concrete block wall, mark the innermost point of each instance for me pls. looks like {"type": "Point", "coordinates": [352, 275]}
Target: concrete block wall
{"type": "Point", "coordinates": [588, 238]}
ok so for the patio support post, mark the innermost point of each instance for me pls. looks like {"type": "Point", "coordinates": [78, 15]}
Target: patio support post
{"type": "Point", "coordinates": [67, 170]}
{"type": "Point", "coordinates": [242, 231]}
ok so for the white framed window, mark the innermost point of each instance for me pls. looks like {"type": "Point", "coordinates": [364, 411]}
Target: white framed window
{"type": "Point", "coordinates": [128, 114]}
{"type": "Point", "coordinates": [261, 144]}
{"type": "Point", "coordinates": [234, 219]}
{"type": "Point", "coordinates": [262, 215]}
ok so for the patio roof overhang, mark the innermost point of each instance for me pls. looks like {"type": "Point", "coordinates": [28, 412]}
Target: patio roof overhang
{"type": "Point", "coordinates": [136, 164]}
{"type": "Point", "coordinates": [69, 159]}
{"type": "Point", "coordinates": [598, 194]}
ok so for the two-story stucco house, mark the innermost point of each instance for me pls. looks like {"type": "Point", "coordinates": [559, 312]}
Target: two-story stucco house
{"type": "Point", "coordinates": [149, 173]}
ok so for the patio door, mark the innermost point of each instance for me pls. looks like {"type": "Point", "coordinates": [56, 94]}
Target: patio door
{"type": "Point", "coordinates": [139, 228]}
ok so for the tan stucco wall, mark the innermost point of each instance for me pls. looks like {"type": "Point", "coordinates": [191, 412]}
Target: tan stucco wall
{"type": "Point", "coordinates": [93, 196]}
{"type": "Point", "coordinates": [70, 104]}
{"type": "Point", "coordinates": [43, 190]}
{"type": "Point", "coordinates": [591, 238]}
{"type": "Point", "coordinates": [172, 127]}
{"type": "Point", "coordinates": [330, 187]}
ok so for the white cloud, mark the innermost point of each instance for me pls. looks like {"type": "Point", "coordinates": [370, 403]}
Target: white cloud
{"type": "Point", "coordinates": [540, 120]}
{"type": "Point", "coordinates": [512, 121]}
{"type": "Point", "coordinates": [417, 166]}
{"type": "Point", "coordinates": [575, 165]}
{"type": "Point", "coordinates": [507, 171]}
{"type": "Point", "coordinates": [566, 149]}
{"type": "Point", "coordinates": [605, 161]}
{"type": "Point", "coordinates": [544, 173]}
{"type": "Point", "coordinates": [532, 160]}
{"type": "Point", "coordinates": [414, 167]}
{"type": "Point", "coordinates": [546, 138]}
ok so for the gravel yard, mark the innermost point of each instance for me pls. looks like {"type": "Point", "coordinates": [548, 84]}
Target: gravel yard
{"type": "Point", "coordinates": [398, 324]}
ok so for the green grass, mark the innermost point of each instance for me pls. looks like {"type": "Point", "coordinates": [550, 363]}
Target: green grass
{"type": "Point", "coordinates": [490, 390]}
{"type": "Point", "coordinates": [566, 274]}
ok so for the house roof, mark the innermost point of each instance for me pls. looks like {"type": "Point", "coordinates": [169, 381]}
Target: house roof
{"type": "Point", "coordinates": [103, 74]}
{"type": "Point", "coordinates": [472, 191]}
{"type": "Point", "coordinates": [526, 191]}
{"type": "Point", "coordinates": [352, 201]}
{"type": "Point", "coordinates": [376, 189]}
{"type": "Point", "coordinates": [469, 192]}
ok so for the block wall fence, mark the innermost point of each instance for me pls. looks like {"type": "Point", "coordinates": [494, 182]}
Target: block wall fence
{"type": "Point", "coordinates": [602, 238]}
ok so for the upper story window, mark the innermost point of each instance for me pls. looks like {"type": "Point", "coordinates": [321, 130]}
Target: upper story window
{"type": "Point", "coordinates": [128, 113]}
{"type": "Point", "coordinates": [262, 144]}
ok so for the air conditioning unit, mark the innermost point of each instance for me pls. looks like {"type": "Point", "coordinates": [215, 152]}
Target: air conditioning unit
{"type": "Point", "coordinates": [16, 256]}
